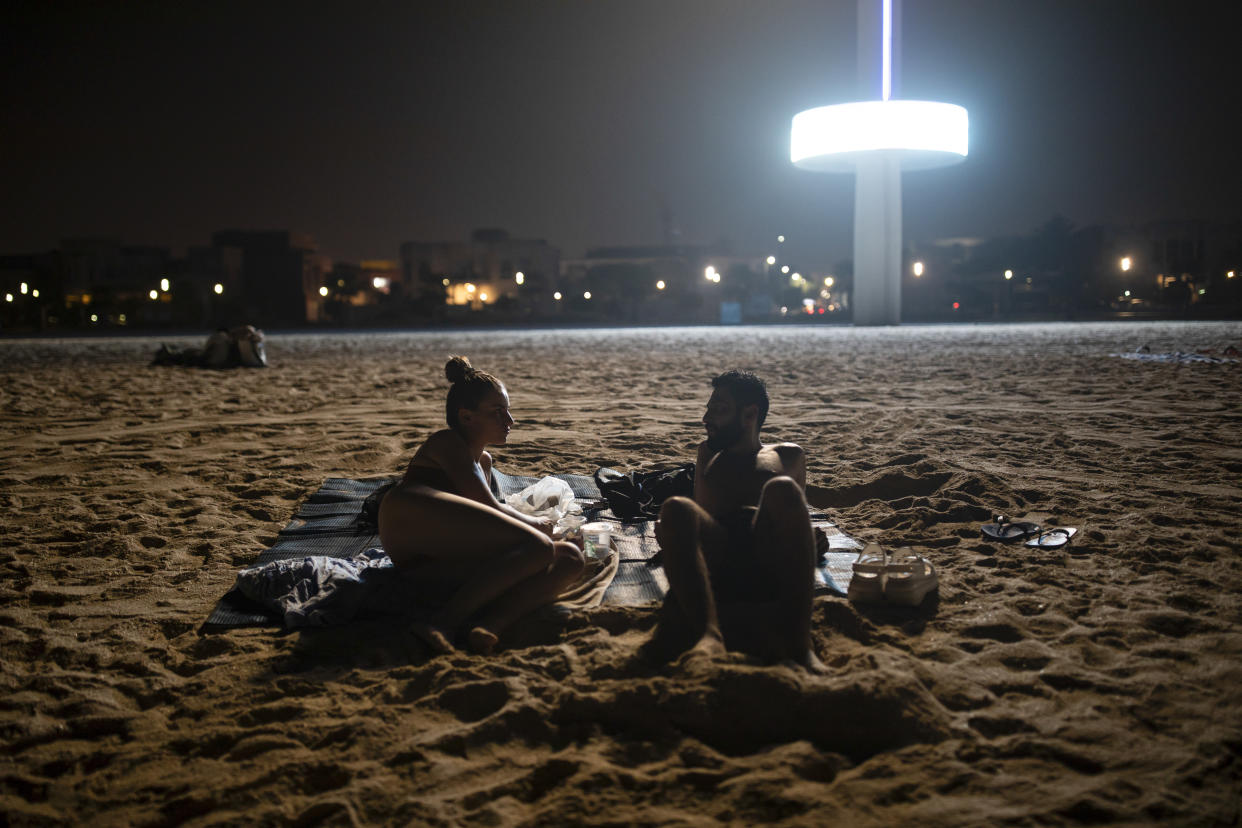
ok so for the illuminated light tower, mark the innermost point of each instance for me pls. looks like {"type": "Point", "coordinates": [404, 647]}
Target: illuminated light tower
{"type": "Point", "coordinates": [876, 140]}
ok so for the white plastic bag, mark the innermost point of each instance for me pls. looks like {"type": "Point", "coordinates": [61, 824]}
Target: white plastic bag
{"type": "Point", "coordinates": [549, 498]}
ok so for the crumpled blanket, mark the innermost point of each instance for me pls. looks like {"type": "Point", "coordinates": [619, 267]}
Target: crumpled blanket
{"type": "Point", "coordinates": [319, 590]}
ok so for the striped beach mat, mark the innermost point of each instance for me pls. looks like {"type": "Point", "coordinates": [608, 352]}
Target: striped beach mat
{"type": "Point", "coordinates": [329, 523]}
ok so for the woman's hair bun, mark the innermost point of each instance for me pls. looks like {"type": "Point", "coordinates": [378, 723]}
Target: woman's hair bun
{"type": "Point", "coordinates": [457, 369]}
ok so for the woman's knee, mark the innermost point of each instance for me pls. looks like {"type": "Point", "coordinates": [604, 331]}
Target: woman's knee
{"type": "Point", "coordinates": [539, 549]}
{"type": "Point", "coordinates": [568, 557]}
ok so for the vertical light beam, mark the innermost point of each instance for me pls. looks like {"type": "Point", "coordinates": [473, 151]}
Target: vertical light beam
{"type": "Point", "coordinates": [886, 51]}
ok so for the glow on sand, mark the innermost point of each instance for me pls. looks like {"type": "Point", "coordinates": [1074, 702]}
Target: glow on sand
{"type": "Point", "coordinates": [877, 140]}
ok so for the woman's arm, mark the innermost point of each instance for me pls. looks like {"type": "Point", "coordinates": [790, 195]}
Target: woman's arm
{"type": "Point", "coordinates": [471, 479]}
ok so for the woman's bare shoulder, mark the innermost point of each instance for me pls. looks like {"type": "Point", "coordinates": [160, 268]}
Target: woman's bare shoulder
{"type": "Point", "coordinates": [443, 445]}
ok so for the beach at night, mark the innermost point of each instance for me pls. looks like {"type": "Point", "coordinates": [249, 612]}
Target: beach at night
{"type": "Point", "coordinates": [1094, 683]}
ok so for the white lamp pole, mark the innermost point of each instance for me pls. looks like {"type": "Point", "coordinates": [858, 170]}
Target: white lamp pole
{"type": "Point", "coordinates": [876, 140]}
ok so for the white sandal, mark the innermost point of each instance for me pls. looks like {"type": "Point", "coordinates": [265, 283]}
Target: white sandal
{"type": "Point", "coordinates": [869, 570]}
{"type": "Point", "coordinates": [910, 578]}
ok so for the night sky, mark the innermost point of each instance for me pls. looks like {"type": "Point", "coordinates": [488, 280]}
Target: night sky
{"type": "Point", "coordinates": [369, 124]}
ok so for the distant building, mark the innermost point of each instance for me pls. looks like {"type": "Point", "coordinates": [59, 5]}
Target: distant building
{"type": "Point", "coordinates": [489, 269]}
{"type": "Point", "coordinates": [667, 282]}
{"type": "Point", "coordinates": [281, 275]}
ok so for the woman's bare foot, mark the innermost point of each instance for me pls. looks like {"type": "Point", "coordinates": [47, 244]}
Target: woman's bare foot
{"type": "Point", "coordinates": [482, 640]}
{"type": "Point", "coordinates": [433, 637]}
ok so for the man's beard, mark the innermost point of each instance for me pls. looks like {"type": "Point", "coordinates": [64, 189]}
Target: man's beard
{"type": "Point", "coordinates": [726, 435]}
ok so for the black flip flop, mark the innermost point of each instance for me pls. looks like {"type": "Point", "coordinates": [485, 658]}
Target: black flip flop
{"type": "Point", "coordinates": [1005, 531]}
{"type": "Point", "coordinates": [1052, 538]}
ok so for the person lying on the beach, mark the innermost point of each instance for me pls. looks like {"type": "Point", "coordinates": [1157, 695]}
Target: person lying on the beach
{"type": "Point", "coordinates": [740, 555]}
{"type": "Point", "coordinates": [443, 522]}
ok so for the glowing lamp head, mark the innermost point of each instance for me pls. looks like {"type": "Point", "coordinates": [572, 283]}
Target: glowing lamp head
{"type": "Point", "coordinates": [218, 288]}
{"type": "Point", "coordinates": [519, 277]}
{"type": "Point", "coordinates": [1008, 275]}
{"type": "Point", "coordinates": [660, 285]}
{"type": "Point", "coordinates": [155, 294]}
{"type": "Point", "coordinates": [323, 291]}
{"type": "Point", "coordinates": [771, 260]}
{"type": "Point", "coordinates": [920, 134]}
{"type": "Point", "coordinates": [586, 294]}
{"type": "Point", "coordinates": [25, 288]}
{"type": "Point", "coordinates": [917, 269]}
{"type": "Point", "coordinates": [164, 285]}
{"type": "Point", "coordinates": [379, 283]}
{"type": "Point", "coordinates": [1126, 264]}
{"type": "Point", "coordinates": [557, 296]}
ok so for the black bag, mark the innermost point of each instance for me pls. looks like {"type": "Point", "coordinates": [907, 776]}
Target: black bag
{"type": "Point", "coordinates": [368, 518]}
{"type": "Point", "coordinates": [638, 495]}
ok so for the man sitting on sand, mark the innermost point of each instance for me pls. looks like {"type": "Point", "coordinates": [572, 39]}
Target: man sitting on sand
{"type": "Point", "coordinates": [740, 556]}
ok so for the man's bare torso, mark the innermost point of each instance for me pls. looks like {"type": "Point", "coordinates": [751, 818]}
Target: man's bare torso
{"type": "Point", "coordinates": [726, 482]}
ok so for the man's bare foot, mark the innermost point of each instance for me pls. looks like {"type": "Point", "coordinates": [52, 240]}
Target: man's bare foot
{"type": "Point", "coordinates": [698, 660]}
{"type": "Point", "coordinates": [710, 645]}
{"type": "Point", "coordinates": [811, 663]}
{"type": "Point", "coordinates": [482, 640]}
{"type": "Point", "coordinates": [433, 637]}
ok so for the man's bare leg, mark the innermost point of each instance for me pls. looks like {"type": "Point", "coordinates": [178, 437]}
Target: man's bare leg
{"type": "Point", "coordinates": [680, 532]}
{"type": "Point", "coordinates": [783, 535]}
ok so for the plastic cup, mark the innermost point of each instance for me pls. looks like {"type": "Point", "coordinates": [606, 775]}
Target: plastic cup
{"type": "Point", "coordinates": [596, 540]}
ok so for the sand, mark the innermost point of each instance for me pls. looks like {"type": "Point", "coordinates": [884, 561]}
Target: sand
{"type": "Point", "coordinates": [1097, 684]}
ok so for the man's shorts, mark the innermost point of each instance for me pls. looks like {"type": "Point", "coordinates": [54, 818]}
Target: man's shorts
{"type": "Point", "coordinates": [738, 572]}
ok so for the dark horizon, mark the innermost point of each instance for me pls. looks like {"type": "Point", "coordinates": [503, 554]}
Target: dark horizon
{"type": "Point", "coordinates": [587, 124]}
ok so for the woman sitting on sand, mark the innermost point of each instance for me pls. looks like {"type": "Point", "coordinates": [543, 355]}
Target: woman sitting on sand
{"type": "Point", "coordinates": [443, 521]}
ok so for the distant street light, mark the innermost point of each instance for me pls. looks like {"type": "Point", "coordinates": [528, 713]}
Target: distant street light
{"type": "Point", "coordinates": [8, 297]}
{"type": "Point", "coordinates": [709, 272]}
{"type": "Point", "coordinates": [784, 268]}
{"type": "Point", "coordinates": [25, 288]}
{"type": "Point", "coordinates": [557, 296]}
{"type": "Point", "coordinates": [780, 239]}
{"type": "Point", "coordinates": [323, 291]}
{"type": "Point", "coordinates": [482, 297]}
{"type": "Point", "coordinates": [829, 281]}
{"type": "Point", "coordinates": [219, 288]}
{"type": "Point", "coordinates": [164, 285]}
{"type": "Point", "coordinates": [660, 285]}
{"type": "Point", "coordinates": [1126, 264]}
{"type": "Point", "coordinates": [918, 269]}
{"type": "Point", "coordinates": [1229, 275]}
{"type": "Point", "coordinates": [470, 288]}
{"type": "Point", "coordinates": [379, 283]}
{"type": "Point", "coordinates": [771, 260]}
{"type": "Point", "coordinates": [1008, 275]}
{"type": "Point", "coordinates": [155, 294]}
{"type": "Point", "coordinates": [35, 292]}
{"type": "Point", "coordinates": [519, 277]}
{"type": "Point", "coordinates": [586, 294]}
